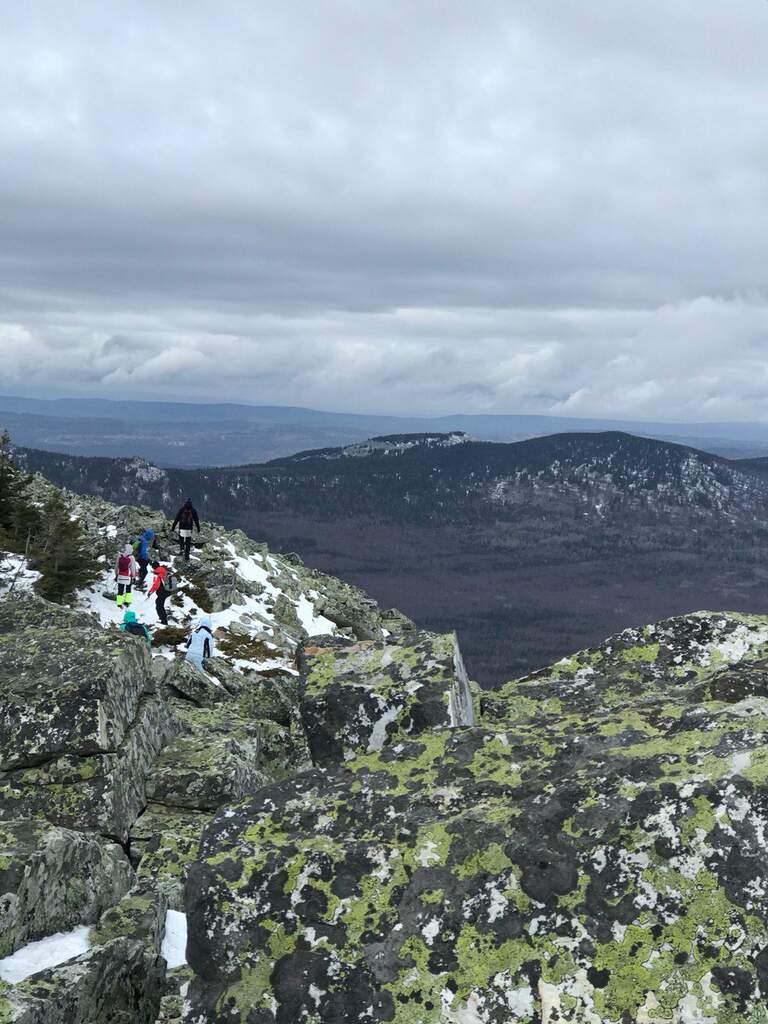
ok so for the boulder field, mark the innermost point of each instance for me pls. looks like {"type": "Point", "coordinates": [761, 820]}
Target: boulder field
{"type": "Point", "coordinates": [356, 833]}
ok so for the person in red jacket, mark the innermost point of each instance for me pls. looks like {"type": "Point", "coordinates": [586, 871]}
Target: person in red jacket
{"type": "Point", "coordinates": [162, 589]}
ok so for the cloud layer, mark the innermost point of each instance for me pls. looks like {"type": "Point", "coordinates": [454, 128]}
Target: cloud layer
{"type": "Point", "coordinates": [389, 207]}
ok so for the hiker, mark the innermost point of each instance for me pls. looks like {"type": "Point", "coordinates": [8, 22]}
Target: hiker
{"type": "Point", "coordinates": [141, 550]}
{"type": "Point", "coordinates": [131, 624]}
{"type": "Point", "coordinates": [186, 518]}
{"type": "Point", "coordinates": [163, 585]}
{"type": "Point", "coordinates": [125, 573]}
{"type": "Point", "coordinates": [200, 643]}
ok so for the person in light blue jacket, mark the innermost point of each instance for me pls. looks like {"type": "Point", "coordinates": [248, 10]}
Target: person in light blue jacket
{"type": "Point", "coordinates": [200, 644]}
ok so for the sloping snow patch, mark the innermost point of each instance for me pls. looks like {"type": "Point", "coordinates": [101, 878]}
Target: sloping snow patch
{"type": "Point", "coordinates": [49, 952]}
{"type": "Point", "coordinates": [174, 947]}
{"type": "Point", "coordinates": [314, 624]}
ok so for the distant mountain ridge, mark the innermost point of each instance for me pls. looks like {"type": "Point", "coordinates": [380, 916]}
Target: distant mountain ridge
{"type": "Point", "coordinates": [553, 540]}
{"type": "Point", "coordinates": [444, 477]}
{"type": "Point", "coordinates": [215, 434]}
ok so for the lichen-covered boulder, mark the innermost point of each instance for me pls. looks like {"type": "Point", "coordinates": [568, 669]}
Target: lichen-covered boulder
{"type": "Point", "coordinates": [178, 678]}
{"type": "Point", "coordinates": [66, 685]}
{"type": "Point", "coordinates": [350, 609]}
{"type": "Point", "coordinates": [52, 879]}
{"type": "Point", "coordinates": [275, 748]}
{"type": "Point", "coordinates": [596, 854]}
{"type": "Point", "coordinates": [642, 664]}
{"type": "Point", "coordinates": [359, 697]}
{"type": "Point", "coordinates": [140, 915]}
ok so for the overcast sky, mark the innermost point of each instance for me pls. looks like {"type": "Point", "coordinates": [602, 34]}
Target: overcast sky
{"type": "Point", "coordinates": [403, 206]}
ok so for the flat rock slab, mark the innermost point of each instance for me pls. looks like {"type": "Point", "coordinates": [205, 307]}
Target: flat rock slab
{"type": "Point", "coordinates": [202, 773]}
{"type": "Point", "coordinates": [53, 879]}
{"type": "Point", "coordinates": [604, 861]}
{"type": "Point", "coordinates": [64, 688]}
{"type": "Point", "coordinates": [360, 697]}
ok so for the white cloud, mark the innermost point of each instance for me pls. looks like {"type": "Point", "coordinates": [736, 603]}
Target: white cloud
{"type": "Point", "coordinates": [395, 206]}
{"type": "Point", "coordinates": [698, 359]}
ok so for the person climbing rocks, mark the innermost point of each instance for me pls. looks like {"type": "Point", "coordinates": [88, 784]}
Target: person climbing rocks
{"type": "Point", "coordinates": [141, 550]}
{"type": "Point", "coordinates": [131, 624]}
{"type": "Point", "coordinates": [162, 586]}
{"type": "Point", "coordinates": [185, 519]}
{"type": "Point", "coordinates": [200, 643]}
{"type": "Point", "coordinates": [126, 569]}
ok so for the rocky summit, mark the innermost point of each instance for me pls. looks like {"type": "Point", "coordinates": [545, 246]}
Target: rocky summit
{"type": "Point", "coordinates": [331, 824]}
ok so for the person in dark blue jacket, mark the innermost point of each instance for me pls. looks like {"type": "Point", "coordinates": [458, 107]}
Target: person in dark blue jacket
{"type": "Point", "coordinates": [146, 541]}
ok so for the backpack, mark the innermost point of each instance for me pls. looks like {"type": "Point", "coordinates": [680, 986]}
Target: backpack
{"type": "Point", "coordinates": [169, 582]}
{"type": "Point", "coordinates": [136, 546]}
{"type": "Point", "coordinates": [124, 565]}
{"type": "Point", "coordinates": [136, 629]}
{"type": "Point", "coordinates": [186, 520]}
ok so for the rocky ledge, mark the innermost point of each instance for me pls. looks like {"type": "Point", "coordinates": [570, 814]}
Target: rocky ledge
{"type": "Point", "coordinates": [356, 833]}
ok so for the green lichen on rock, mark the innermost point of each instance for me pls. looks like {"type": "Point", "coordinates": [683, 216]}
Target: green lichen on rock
{"type": "Point", "coordinates": [140, 915]}
{"type": "Point", "coordinates": [360, 697]}
{"type": "Point", "coordinates": [67, 686]}
{"type": "Point", "coordinates": [117, 982]}
{"type": "Point", "coordinates": [164, 842]}
{"type": "Point", "coordinates": [594, 852]}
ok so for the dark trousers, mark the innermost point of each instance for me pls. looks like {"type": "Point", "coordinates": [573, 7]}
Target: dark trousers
{"type": "Point", "coordinates": [143, 563]}
{"type": "Point", "coordinates": [160, 599]}
{"type": "Point", "coordinates": [185, 545]}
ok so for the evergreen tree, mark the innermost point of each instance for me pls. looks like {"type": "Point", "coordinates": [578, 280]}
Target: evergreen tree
{"type": "Point", "coordinates": [19, 517]}
{"type": "Point", "coordinates": [61, 553]}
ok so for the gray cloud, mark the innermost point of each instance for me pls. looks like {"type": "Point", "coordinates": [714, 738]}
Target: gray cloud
{"type": "Point", "coordinates": [518, 207]}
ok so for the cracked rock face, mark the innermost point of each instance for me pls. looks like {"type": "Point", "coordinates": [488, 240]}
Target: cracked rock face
{"type": "Point", "coordinates": [360, 697]}
{"type": "Point", "coordinates": [119, 982]}
{"type": "Point", "coordinates": [593, 851]}
{"type": "Point", "coordinates": [100, 792]}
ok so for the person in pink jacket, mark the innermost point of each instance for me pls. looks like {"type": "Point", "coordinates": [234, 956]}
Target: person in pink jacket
{"type": "Point", "coordinates": [126, 570]}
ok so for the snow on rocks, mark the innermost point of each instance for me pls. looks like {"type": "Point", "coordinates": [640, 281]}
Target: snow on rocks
{"type": "Point", "coordinates": [44, 953]}
{"type": "Point", "coordinates": [15, 574]}
{"type": "Point", "coordinates": [174, 947]}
